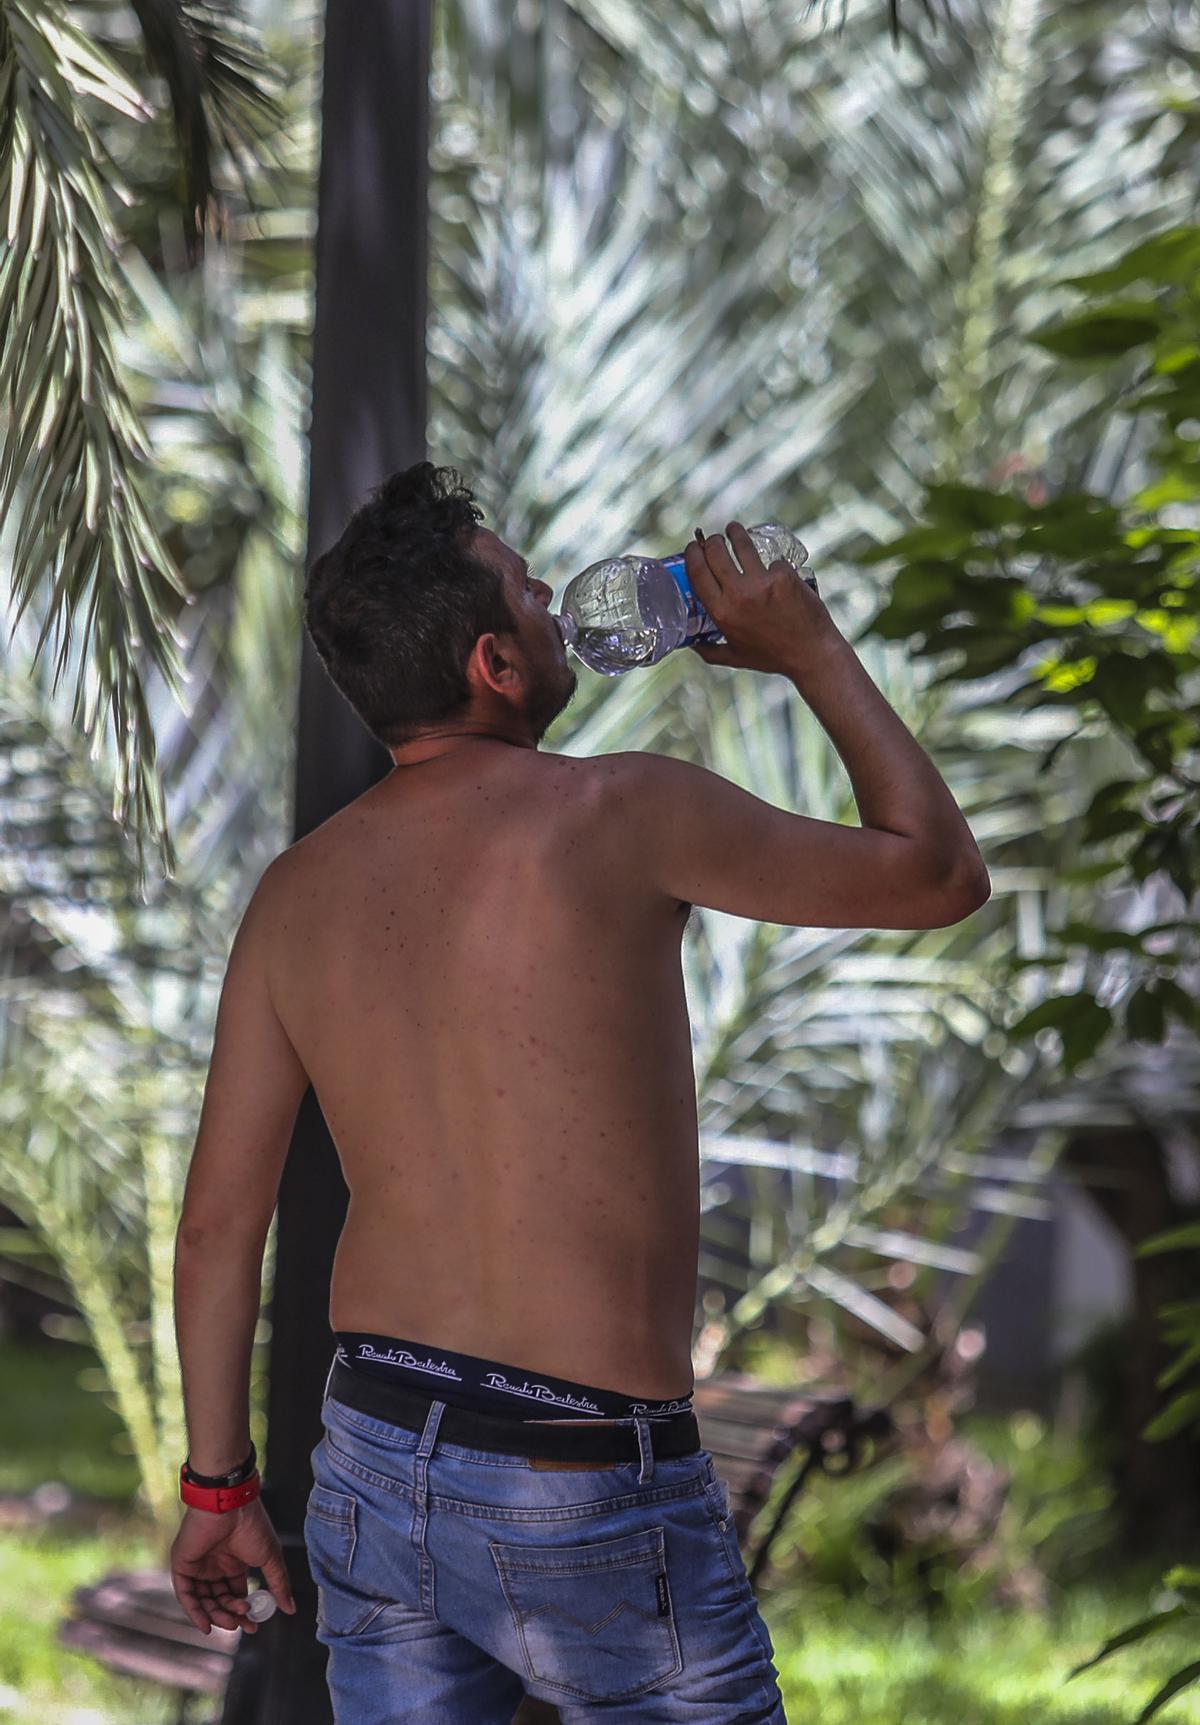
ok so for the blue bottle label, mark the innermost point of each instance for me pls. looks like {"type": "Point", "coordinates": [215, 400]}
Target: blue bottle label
{"type": "Point", "coordinates": [700, 626]}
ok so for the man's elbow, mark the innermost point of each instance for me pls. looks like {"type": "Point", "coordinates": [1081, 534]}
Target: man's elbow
{"type": "Point", "coordinates": [965, 891]}
{"type": "Point", "coordinates": [229, 1234]}
{"type": "Point", "coordinates": [191, 1235]}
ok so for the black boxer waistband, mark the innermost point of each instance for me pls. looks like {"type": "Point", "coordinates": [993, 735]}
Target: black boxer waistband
{"type": "Point", "coordinates": [491, 1386]}
{"type": "Point", "coordinates": [592, 1442]}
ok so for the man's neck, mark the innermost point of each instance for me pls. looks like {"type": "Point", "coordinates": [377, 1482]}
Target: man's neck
{"type": "Point", "coordinates": [433, 745]}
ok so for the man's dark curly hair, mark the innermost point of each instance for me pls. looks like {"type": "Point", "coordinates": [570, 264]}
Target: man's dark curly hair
{"type": "Point", "coordinates": [396, 605]}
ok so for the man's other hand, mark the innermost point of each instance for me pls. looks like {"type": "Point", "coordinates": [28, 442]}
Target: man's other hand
{"type": "Point", "coordinates": [210, 1557]}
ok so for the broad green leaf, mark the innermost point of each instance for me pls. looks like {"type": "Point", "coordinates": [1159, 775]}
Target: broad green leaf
{"type": "Point", "coordinates": [1052, 1014]}
{"type": "Point", "coordinates": [1174, 1240]}
{"type": "Point", "coordinates": [1174, 486]}
{"type": "Point", "coordinates": [970, 506]}
{"type": "Point", "coordinates": [1171, 258]}
{"type": "Point", "coordinates": [1083, 1032]}
{"type": "Point", "coordinates": [1112, 794]}
{"type": "Point", "coordinates": [1102, 334]}
{"type": "Point", "coordinates": [1145, 1018]}
{"type": "Point", "coordinates": [1183, 1363]}
{"type": "Point", "coordinates": [1180, 1414]}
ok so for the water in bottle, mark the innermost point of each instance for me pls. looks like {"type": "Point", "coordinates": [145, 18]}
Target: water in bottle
{"type": "Point", "coordinates": [629, 611]}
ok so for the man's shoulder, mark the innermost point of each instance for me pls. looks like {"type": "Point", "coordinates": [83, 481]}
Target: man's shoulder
{"type": "Point", "coordinates": [642, 773]}
{"type": "Point", "coordinates": [317, 845]}
{"type": "Point", "coordinates": [618, 764]}
{"type": "Point", "coordinates": [608, 779]}
{"type": "Point", "coordinates": [289, 875]}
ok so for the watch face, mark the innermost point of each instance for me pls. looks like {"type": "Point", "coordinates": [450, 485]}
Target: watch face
{"type": "Point", "coordinates": [235, 1476]}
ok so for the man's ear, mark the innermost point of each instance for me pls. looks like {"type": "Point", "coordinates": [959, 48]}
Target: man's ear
{"type": "Point", "coordinates": [492, 665]}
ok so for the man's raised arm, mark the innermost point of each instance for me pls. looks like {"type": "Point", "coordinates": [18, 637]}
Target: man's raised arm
{"type": "Point", "coordinates": [913, 862]}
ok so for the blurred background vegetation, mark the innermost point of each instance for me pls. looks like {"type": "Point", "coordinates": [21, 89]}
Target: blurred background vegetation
{"type": "Point", "coordinates": [930, 296]}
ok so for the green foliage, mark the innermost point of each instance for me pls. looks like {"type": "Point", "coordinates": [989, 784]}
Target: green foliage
{"type": "Point", "coordinates": [106, 1031]}
{"type": "Point", "coordinates": [1093, 606]}
{"type": "Point", "coordinates": [853, 1663]}
{"type": "Point", "coordinates": [1056, 1523]}
{"type": "Point", "coordinates": [1181, 1327]}
{"type": "Point", "coordinates": [105, 1024]}
{"type": "Point", "coordinates": [1177, 1614]}
{"type": "Point", "coordinates": [72, 479]}
{"type": "Point", "coordinates": [1178, 1608]}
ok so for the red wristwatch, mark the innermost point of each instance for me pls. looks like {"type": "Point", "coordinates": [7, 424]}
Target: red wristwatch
{"type": "Point", "coordinates": [237, 1487]}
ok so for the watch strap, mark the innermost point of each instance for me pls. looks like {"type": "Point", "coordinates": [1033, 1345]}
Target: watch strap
{"type": "Point", "coordinates": [218, 1497]}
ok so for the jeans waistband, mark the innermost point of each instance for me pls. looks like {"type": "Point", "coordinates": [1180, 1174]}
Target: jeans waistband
{"type": "Point", "coordinates": [625, 1440]}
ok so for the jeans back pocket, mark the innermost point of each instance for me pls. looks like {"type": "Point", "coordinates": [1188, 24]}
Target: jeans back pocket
{"type": "Point", "coordinates": [594, 1621]}
{"type": "Point", "coordinates": [330, 1538]}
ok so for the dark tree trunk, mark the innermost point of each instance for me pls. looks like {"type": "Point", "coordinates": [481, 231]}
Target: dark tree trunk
{"type": "Point", "coordinates": [1126, 1174]}
{"type": "Point", "coordinates": [368, 419]}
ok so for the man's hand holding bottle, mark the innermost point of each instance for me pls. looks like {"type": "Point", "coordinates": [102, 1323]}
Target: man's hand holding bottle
{"type": "Point", "coordinates": [770, 617]}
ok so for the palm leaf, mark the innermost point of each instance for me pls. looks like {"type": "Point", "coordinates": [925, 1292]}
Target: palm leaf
{"type": "Point", "coordinates": [93, 973]}
{"type": "Point", "coordinates": [83, 542]}
{"type": "Point", "coordinates": [224, 98]}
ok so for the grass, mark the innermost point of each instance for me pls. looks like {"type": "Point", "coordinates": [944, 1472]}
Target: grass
{"type": "Point", "coordinates": [857, 1666]}
{"type": "Point", "coordinates": [842, 1663]}
{"type": "Point", "coordinates": [56, 1426]}
{"type": "Point", "coordinates": [39, 1678]}
{"type": "Point", "coordinates": [861, 1667]}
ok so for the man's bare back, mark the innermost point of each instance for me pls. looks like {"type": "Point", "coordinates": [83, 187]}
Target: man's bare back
{"type": "Point", "coordinates": [486, 993]}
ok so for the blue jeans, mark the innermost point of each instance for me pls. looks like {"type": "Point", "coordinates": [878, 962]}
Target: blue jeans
{"type": "Point", "coordinates": [450, 1581]}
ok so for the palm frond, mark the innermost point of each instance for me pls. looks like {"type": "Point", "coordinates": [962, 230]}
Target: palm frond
{"type": "Point", "coordinates": [106, 1016]}
{"type": "Point", "coordinates": [107, 1001]}
{"type": "Point", "coordinates": [83, 541]}
{"type": "Point", "coordinates": [224, 98]}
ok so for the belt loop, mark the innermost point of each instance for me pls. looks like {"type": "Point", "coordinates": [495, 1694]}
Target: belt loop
{"type": "Point", "coordinates": [645, 1449]}
{"type": "Point", "coordinates": [433, 1420]}
{"type": "Point", "coordinates": [421, 1470]}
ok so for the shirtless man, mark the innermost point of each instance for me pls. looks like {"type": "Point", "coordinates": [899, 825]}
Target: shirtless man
{"type": "Point", "coordinates": [476, 964]}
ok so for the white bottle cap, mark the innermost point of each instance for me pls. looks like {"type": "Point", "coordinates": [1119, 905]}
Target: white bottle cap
{"type": "Point", "coordinates": [262, 1605]}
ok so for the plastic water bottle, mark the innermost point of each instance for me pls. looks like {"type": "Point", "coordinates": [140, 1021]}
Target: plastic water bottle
{"type": "Point", "coordinates": [628, 611]}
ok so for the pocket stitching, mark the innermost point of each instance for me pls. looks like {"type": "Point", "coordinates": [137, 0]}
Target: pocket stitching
{"type": "Point", "coordinates": [645, 1542]}
{"type": "Point", "coordinates": [346, 1521]}
{"type": "Point", "coordinates": [654, 1554]}
{"type": "Point", "coordinates": [339, 1458]}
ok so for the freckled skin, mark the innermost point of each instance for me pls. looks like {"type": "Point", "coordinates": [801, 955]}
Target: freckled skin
{"type": "Point", "coordinates": [488, 997]}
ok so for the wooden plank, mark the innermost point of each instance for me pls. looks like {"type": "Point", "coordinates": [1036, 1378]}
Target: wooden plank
{"type": "Point", "coordinates": [745, 1443]}
{"type": "Point", "coordinates": [145, 1603]}
{"type": "Point", "coordinates": [750, 1402]}
{"type": "Point", "coordinates": [192, 1670]}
